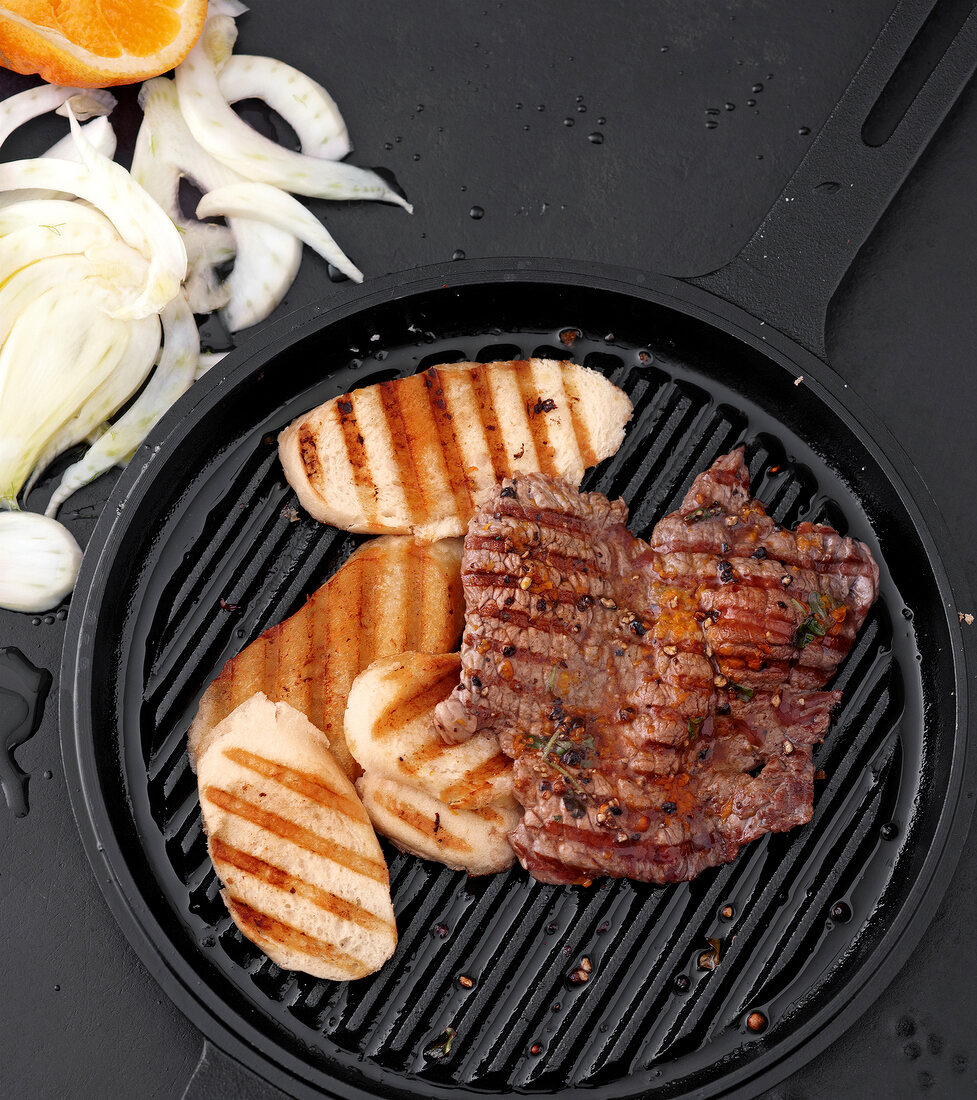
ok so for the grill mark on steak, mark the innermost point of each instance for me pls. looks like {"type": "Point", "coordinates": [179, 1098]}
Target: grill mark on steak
{"type": "Point", "coordinates": [656, 733]}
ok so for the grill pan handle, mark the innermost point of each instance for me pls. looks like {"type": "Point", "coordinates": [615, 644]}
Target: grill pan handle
{"type": "Point", "coordinates": [789, 270]}
{"type": "Point", "coordinates": [217, 1075]}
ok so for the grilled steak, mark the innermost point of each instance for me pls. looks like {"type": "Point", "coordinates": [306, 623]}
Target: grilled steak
{"type": "Point", "coordinates": [659, 698]}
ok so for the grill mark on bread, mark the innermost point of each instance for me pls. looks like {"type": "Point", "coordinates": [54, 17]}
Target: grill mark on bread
{"type": "Point", "coordinates": [537, 422]}
{"type": "Point", "coordinates": [490, 422]}
{"type": "Point", "coordinates": [365, 579]}
{"type": "Point", "coordinates": [396, 716]}
{"type": "Point", "coordinates": [297, 834]}
{"type": "Point", "coordinates": [264, 927]}
{"type": "Point", "coordinates": [289, 883]}
{"type": "Point", "coordinates": [366, 490]}
{"type": "Point", "coordinates": [309, 786]}
{"type": "Point", "coordinates": [477, 779]}
{"type": "Point", "coordinates": [410, 477]}
{"type": "Point", "coordinates": [416, 820]}
{"type": "Point", "coordinates": [448, 440]}
{"type": "Point", "coordinates": [309, 454]}
{"type": "Point", "coordinates": [578, 422]}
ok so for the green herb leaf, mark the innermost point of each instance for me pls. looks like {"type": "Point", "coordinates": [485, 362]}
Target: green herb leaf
{"type": "Point", "coordinates": [817, 623]}
{"type": "Point", "coordinates": [695, 724]}
{"type": "Point", "coordinates": [712, 512]}
{"type": "Point", "coordinates": [744, 692]}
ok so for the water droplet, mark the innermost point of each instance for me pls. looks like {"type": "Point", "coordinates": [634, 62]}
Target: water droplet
{"type": "Point", "coordinates": [596, 138]}
{"type": "Point", "coordinates": [804, 130]}
{"type": "Point", "coordinates": [751, 103]}
{"type": "Point", "coordinates": [759, 156]}
{"type": "Point", "coordinates": [48, 775]}
{"type": "Point", "coordinates": [568, 121]}
{"type": "Point", "coordinates": [581, 108]}
{"type": "Point", "coordinates": [419, 108]}
{"type": "Point", "coordinates": [828, 187]}
{"type": "Point", "coordinates": [35, 621]}
{"type": "Point", "coordinates": [57, 989]}
{"type": "Point", "coordinates": [664, 49]}
{"type": "Point", "coordinates": [416, 156]}
{"type": "Point", "coordinates": [711, 124]}
{"type": "Point", "coordinates": [681, 983]}
{"type": "Point", "coordinates": [730, 106]}
{"type": "Point", "coordinates": [518, 106]}
{"type": "Point", "coordinates": [526, 127]}
{"type": "Point", "coordinates": [841, 912]}
{"type": "Point", "coordinates": [540, 106]}
{"type": "Point", "coordinates": [712, 110]}
{"type": "Point", "coordinates": [398, 139]}
{"type": "Point", "coordinates": [889, 831]}
{"type": "Point", "coordinates": [476, 212]}
{"type": "Point", "coordinates": [580, 99]}
{"type": "Point", "coordinates": [458, 254]}
{"type": "Point", "coordinates": [757, 88]}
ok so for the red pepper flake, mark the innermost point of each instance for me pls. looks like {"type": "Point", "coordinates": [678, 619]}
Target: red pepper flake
{"type": "Point", "coordinates": [437, 822]}
{"type": "Point", "coordinates": [225, 606]}
{"type": "Point", "coordinates": [465, 982]}
{"type": "Point", "coordinates": [569, 336]}
{"type": "Point", "coordinates": [536, 1048]}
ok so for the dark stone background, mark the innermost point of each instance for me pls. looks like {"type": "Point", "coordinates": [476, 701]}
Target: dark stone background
{"type": "Point", "coordinates": [466, 103]}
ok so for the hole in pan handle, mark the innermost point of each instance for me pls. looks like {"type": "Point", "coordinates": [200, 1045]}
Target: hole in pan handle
{"type": "Point", "coordinates": [789, 270]}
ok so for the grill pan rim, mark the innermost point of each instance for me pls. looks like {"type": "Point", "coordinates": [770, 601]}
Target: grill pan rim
{"type": "Point", "coordinates": [135, 915]}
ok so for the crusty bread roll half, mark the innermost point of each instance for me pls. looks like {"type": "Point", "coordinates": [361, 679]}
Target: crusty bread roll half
{"type": "Point", "coordinates": [475, 841]}
{"type": "Point", "coordinates": [391, 733]}
{"type": "Point", "coordinates": [415, 453]}
{"type": "Point", "coordinates": [391, 595]}
{"type": "Point", "coordinates": [303, 874]}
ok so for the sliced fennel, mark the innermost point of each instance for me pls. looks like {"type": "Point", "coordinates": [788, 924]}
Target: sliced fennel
{"type": "Point", "coordinates": [266, 259]}
{"type": "Point", "coordinates": [206, 360]}
{"type": "Point", "coordinates": [174, 375]}
{"type": "Point", "coordinates": [305, 105]}
{"type": "Point", "coordinates": [39, 561]}
{"type": "Point", "coordinates": [135, 363]}
{"type": "Point", "coordinates": [40, 393]}
{"type": "Point", "coordinates": [232, 141]}
{"type": "Point", "coordinates": [274, 206]}
{"type": "Point", "coordinates": [21, 108]}
{"type": "Point", "coordinates": [139, 221]}
{"type": "Point", "coordinates": [99, 134]}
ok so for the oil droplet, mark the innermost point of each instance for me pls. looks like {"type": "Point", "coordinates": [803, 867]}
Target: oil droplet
{"type": "Point", "coordinates": [581, 108]}
{"type": "Point", "coordinates": [568, 121]}
{"type": "Point", "coordinates": [476, 212]}
{"type": "Point", "coordinates": [829, 187]}
{"type": "Point", "coordinates": [804, 130]}
{"type": "Point", "coordinates": [890, 830]}
{"type": "Point", "coordinates": [388, 145]}
{"type": "Point", "coordinates": [712, 110]}
{"type": "Point", "coordinates": [596, 138]}
{"type": "Point", "coordinates": [458, 254]}
{"type": "Point", "coordinates": [841, 911]}
{"type": "Point", "coordinates": [757, 88]}
{"type": "Point", "coordinates": [730, 106]}
{"type": "Point", "coordinates": [906, 613]}
{"type": "Point", "coordinates": [751, 103]}
{"type": "Point", "coordinates": [711, 124]}
{"type": "Point", "coordinates": [540, 106]}
{"type": "Point", "coordinates": [536, 1048]}
{"type": "Point", "coordinates": [681, 983]}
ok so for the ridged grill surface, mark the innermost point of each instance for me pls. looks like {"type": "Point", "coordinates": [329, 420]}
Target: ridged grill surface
{"type": "Point", "coordinates": [649, 1019]}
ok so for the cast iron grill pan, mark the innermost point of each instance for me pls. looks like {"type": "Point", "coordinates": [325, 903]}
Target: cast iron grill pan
{"type": "Point", "coordinates": [207, 552]}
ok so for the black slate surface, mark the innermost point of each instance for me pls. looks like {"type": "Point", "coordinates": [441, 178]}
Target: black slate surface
{"type": "Point", "coordinates": [455, 91]}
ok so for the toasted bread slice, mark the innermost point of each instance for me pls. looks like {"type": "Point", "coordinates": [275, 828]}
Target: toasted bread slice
{"type": "Point", "coordinates": [391, 733]}
{"type": "Point", "coordinates": [390, 596]}
{"type": "Point", "coordinates": [475, 841]}
{"type": "Point", "coordinates": [303, 874]}
{"type": "Point", "coordinates": [413, 454]}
